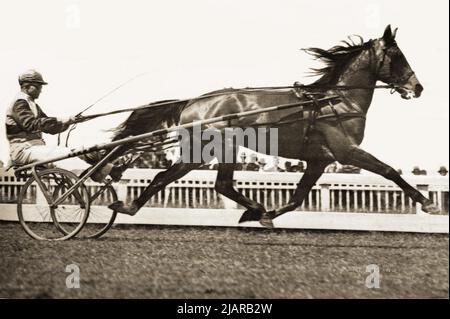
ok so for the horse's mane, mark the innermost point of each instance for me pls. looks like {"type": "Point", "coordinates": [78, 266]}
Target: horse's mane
{"type": "Point", "coordinates": [150, 118]}
{"type": "Point", "coordinates": [336, 59]}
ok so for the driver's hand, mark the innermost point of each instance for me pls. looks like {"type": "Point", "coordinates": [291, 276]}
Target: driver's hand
{"type": "Point", "coordinates": [68, 120]}
{"type": "Point", "coordinates": [79, 118]}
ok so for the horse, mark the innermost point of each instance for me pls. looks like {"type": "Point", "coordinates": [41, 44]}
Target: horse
{"type": "Point", "coordinates": [330, 133]}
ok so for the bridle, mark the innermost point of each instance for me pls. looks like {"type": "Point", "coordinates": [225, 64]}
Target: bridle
{"type": "Point", "coordinates": [401, 79]}
{"type": "Point", "coordinates": [397, 81]}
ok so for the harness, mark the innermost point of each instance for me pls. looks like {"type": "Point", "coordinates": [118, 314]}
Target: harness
{"type": "Point", "coordinates": [303, 92]}
{"type": "Point", "coordinates": [315, 113]}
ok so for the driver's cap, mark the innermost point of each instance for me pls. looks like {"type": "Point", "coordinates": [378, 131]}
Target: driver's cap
{"type": "Point", "coordinates": [31, 76]}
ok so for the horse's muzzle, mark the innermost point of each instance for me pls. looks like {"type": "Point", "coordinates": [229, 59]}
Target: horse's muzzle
{"type": "Point", "coordinates": [407, 93]}
{"type": "Point", "coordinates": [418, 90]}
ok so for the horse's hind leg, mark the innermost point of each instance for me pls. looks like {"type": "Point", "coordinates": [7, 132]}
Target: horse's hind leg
{"type": "Point", "coordinates": [160, 181]}
{"type": "Point", "coordinates": [224, 186]}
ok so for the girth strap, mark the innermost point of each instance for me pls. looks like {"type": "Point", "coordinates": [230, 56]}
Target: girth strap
{"type": "Point", "coordinates": [314, 113]}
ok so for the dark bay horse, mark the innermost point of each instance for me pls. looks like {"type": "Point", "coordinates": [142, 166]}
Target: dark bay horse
{"type": "Point", "coordinates": [351, 72]}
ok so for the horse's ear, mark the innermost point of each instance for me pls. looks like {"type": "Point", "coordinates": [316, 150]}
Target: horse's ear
{"type": "Point", "coordinates": [395, 33]}
{"type": "Point", "coordinates": [387, 36]}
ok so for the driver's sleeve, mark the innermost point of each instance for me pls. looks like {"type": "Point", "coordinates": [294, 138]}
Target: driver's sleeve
{"type": "Point", "coordinates": [24, 117]}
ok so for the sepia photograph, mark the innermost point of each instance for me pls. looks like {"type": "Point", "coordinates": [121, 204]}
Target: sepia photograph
{"type": "Point", "coordinates": [224, 155]}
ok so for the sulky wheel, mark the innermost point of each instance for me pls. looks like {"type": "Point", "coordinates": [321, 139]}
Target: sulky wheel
{"type": "Point", "coordinates": [101, 218]}
{"type": "Point", "coordinates": [38, 213]}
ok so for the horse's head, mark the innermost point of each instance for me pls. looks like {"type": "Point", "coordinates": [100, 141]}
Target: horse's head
{"type": "Point", "coordinates": [393, 68]}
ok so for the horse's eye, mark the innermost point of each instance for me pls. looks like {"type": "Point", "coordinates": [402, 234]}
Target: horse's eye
{"type": "Point", "coordinates": [394, 52]}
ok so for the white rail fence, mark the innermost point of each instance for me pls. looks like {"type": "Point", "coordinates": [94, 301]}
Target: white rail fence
{"type": "Point", "coordinates": [366, 194]}
{"type": "Point", "coordinates": [333, 192]}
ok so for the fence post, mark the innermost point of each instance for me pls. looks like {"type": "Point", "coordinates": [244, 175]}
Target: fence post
{"type": "Point", "coordinates": [228, 203]}
{"type": "Point", "coordinates": [121, 189]}
{"type": "Point", "coordinates": [423, 188]}
{"type": "Point", "coordinates": [325, 204]}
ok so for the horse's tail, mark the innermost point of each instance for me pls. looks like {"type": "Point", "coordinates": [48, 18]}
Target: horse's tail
{"type": "Point", "coordinates": [150, 118]}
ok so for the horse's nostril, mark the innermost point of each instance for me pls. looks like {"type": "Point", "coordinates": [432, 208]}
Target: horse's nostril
{"type": "Point", "coordinates": [419, 88]}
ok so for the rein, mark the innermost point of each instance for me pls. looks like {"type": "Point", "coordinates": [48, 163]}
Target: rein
{"type": "Point", "coordinates": [240, 90]}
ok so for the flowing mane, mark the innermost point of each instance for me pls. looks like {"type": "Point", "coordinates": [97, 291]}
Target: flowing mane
{"type": "Point", "coordinates": [336, 59]}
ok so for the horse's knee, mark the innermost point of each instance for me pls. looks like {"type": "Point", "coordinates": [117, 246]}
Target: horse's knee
{"type": "Point", "coordinates": [389, 173]}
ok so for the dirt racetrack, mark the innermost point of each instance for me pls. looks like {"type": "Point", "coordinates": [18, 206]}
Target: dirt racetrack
{"type": "Point", "coordinates": [209, 262]}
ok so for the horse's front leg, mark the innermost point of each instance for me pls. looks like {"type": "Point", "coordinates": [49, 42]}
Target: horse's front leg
{"type": "Point", "coordinates": [347, 153]}
{"type": "Point", "coordinates": [224, 185]}
{"type": "Point", "coordinates": [359, 157]}
{"type": "Point", "coordinates": [313, 172]}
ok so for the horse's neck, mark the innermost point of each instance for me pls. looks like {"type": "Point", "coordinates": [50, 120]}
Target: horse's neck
{"type": "Point", "coordinates": [360, 72]}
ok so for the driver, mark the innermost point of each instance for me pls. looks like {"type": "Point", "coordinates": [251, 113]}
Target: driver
{"type": "Point", "coordinates": [25, 123]}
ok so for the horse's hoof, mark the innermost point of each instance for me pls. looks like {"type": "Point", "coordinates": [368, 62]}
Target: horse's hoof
{"type": "Point", "coordinates": [272, 214]}
{"type": "Point", "coordinates": [266, 220]}
{"type": "Point", "coordinates": [120, 207]}
{"type": "Point", "coordinates": [430, 208]}
{"type": "Point", "coordinates": [250, 216]}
